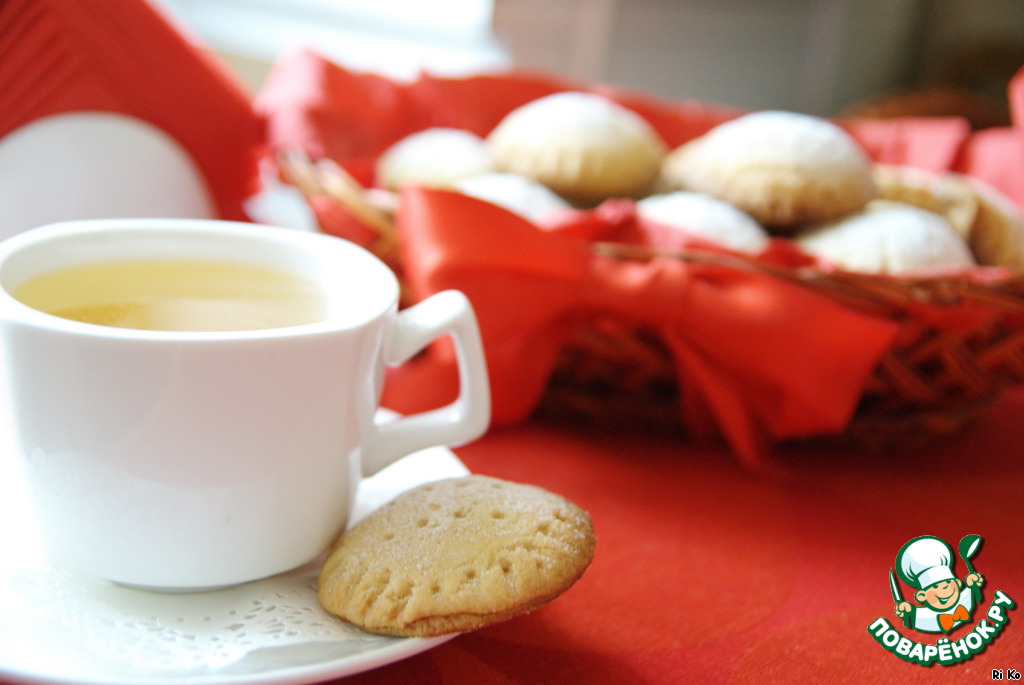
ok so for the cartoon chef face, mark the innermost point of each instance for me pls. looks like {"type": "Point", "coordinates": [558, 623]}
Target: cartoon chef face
{"type": "Point", "coordinates": [940, 596]}
{"type": "Point", "coordinates": [926, 563]}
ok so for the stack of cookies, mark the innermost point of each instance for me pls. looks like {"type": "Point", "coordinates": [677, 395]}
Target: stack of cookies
{"type": "Point", "coordinates": [760, 175]}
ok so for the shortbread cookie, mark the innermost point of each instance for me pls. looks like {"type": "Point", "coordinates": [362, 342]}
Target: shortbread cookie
{"type": "Point", "coordinates": [582, 146]}
{"type": "Point", "coordinates": [889, 237]}
{"type": "Point", "coordinates": [947, 194]}
{"type": "Point", "coordinates": [434, 158]}
{"type": "Point", "coordinates": [456, 555]}
{"type": "Point", "coordinates": [997, 234]}
{"type": "Point", "coordinates": [784, 169]}
{"type": "Point", "coordinates": [987, 219]}
{"type": "Point", "coordinates": [705, 217]}
{"type": "Point", "coordinates": [523, 196]}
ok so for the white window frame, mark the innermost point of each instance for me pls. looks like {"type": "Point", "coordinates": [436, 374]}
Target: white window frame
{"type": "Point", "coordinates": [399, 38]}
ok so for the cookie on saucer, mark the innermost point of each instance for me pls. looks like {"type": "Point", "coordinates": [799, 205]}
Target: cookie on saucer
{"type": "Point", "coordinates": [456, 555]}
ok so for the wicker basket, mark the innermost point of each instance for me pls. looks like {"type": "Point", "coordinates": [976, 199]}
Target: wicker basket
{"type": "Point", "coordinates": [928, 384]}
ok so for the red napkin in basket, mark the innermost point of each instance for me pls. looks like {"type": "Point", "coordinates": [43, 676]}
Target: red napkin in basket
{"type": "Point", "coordinates": [732, 333]}
{"type": "Point", "coordinates": [120, 56]}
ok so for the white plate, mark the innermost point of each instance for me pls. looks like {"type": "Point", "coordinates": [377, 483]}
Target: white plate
{"type": "Point", "coordinates": [60, 627]}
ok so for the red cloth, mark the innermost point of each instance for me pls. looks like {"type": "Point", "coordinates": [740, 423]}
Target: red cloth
{"type": "Point", "coordinates": [121, 56]}
{"type": "Point", "coordinates": [705, 573]}
{"type": "Point", "coordinates": [785, 385]}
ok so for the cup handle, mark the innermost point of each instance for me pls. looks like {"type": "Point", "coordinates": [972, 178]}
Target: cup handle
{"type": "Point", "coordinates": [447, 312]}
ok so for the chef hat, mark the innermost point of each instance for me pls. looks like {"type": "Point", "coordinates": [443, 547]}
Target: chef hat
{"type": "Point", "coordinates": [924, 561]}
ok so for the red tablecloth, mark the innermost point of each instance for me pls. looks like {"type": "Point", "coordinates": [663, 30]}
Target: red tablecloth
{"type": "Point", "coordinates": [707, 573]}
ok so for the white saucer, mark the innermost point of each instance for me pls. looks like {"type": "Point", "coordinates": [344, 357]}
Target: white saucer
{"type": "Point", "coordinates": [60, 627]}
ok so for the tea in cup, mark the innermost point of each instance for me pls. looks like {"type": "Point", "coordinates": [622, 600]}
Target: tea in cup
{"type": "Point", "coordinates": [175, 295]}
{"type": "Point", "coordinates": [196, 401]}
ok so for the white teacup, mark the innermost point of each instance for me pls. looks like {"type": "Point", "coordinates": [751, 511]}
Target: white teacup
{"type": "Point", "coordinates": [189, 460]}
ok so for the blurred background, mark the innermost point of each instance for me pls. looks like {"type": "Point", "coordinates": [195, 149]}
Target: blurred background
{"type": "Point", "coordinates": [824, 57]}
